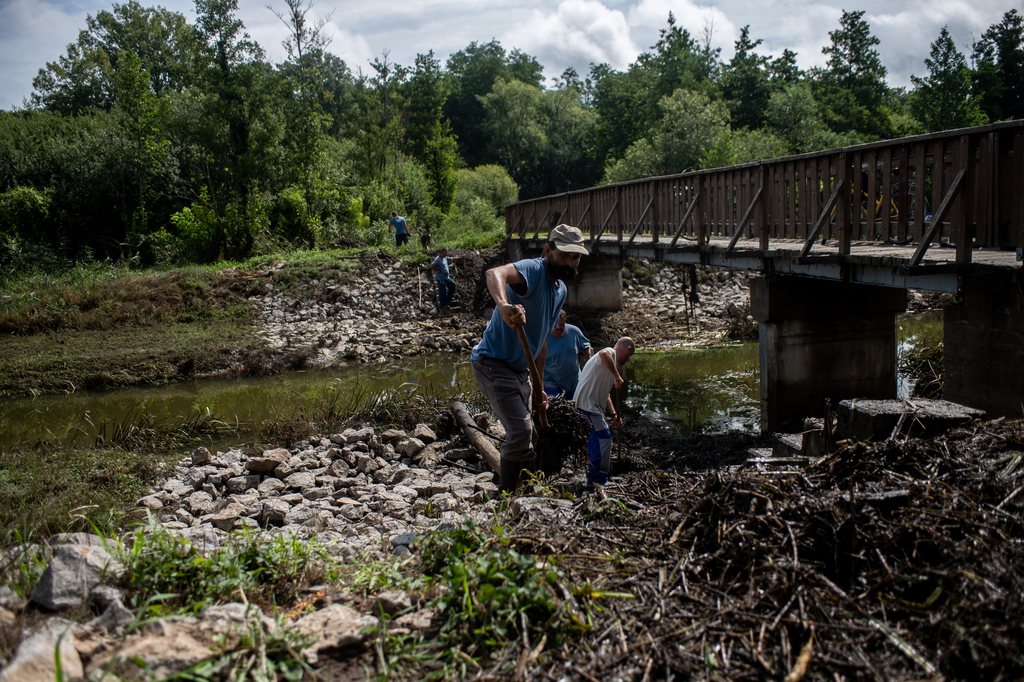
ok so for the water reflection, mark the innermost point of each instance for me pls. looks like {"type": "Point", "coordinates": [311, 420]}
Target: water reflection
{"type": "Point", "coordinates": [709, 390]}
{"type": "Point", "coordinates": [915, 333]}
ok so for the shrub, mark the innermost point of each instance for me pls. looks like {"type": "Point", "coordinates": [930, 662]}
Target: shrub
{"type": "Point", "coordinates": [491, 183]}
{"type": "Point", "coordinates": [22, 209]}
{"type": "Point", "coordinates": [198, 230]}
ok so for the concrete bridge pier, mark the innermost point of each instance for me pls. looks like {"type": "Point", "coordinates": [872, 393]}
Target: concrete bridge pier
{"type": "Point", "coordinates": [599, 284]}
{"type": "Point", "coordinates": [983, 344]}
{"type": "Point", "coordinates": [822, 339]}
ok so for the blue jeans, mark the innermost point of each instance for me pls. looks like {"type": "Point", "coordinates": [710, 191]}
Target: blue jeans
{"type": "Point", "coordinates": [599, 448]}
{"type": "Point", "coordinates": [445, 291]}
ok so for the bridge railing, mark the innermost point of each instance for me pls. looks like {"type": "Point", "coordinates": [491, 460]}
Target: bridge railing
{"type": "Point", "coordinates": [963, 187]}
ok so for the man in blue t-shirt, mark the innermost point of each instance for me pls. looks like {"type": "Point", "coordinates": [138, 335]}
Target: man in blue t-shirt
{"type": "Point", "coordinates": [397, 223]}
{"type": "Point", "coordinates": [528, 294]}
{"type": "Point", "coordinates": [445, 284]}
{"type": "Point", "coordinates": [562, 370]}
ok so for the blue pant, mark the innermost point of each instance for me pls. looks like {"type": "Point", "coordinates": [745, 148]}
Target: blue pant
{"type": "Point", "coordinates": [445, 291]}
{"type": "Point", "coordinates": [599, 448]}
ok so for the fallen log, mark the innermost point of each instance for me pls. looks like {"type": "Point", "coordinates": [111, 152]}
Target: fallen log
{"type": "Point", "coordinates": [476, 438]}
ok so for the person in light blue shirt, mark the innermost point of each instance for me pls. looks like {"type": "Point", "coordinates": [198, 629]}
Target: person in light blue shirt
{"type": "Point", "coordinates": [562, 369]}
{"type": "Point", "coordinates": [397, 223]}
{"type": "Point", "coordinates": [527, 294]}
{"type": "Point", "coordinates": [441, 267]}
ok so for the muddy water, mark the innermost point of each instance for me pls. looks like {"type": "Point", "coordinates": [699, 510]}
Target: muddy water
{"type": "Point", "coordinates": [710, 390]}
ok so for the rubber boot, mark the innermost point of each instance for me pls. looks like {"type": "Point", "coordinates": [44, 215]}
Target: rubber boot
{"type": "Point", "coordinates": [510, 475]}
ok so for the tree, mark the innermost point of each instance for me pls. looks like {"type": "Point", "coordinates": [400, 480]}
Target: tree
{"type": "Point", "coordinates": [943, 100]}
{"type": "Point", "coordinates": [305, 45]}
{"type": "Point", "coordinates": [746, 84]}
{"type": "Point", "coordinates": [240, 127]}
{"type": "Point", "coordinates": [165, 45]}
{"type": "Point", "coordinates": [629, 104]}
{"type": "Point", "coordinates": [428, 133]}
{"type": "Point", "coordinates": [999, 68]}
{"type": "Point", "coordinates": [512, 121]}
{"type": "Point", "coordinates": [691, 126]}
{"type": "Point", "coordinates": [473, 72]}
{"type": "Point", "coordinates": [567, 161]}
{"type": "Point", "coordinates": [852, 87]}
{"type": "Point", "coordinates": [795, 116]}
{"type": "Point", "coordinates": [143, 149]}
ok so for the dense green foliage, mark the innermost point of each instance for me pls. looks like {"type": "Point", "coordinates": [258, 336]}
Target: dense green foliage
{"type": "Point", "coordinates": [153, 140]}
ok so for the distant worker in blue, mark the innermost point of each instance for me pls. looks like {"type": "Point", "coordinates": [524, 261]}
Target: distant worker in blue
{"type": "Point", "coordinates": [562, 368]}
{"type": "Point", "coordinates": [397, 223]}
{"type": "Point", "coordinates": [441, 267]}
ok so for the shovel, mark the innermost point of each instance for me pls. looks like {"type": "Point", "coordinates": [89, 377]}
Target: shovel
{"type": "Point", "coordinates": [535, 377]}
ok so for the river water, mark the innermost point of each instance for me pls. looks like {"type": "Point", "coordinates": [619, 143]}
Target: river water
{"type": "Point", "coordinates": [707, 390]}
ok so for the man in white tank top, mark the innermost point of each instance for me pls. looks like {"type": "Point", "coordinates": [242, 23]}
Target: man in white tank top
{"type": "Point", "coordinates": [593, 398]}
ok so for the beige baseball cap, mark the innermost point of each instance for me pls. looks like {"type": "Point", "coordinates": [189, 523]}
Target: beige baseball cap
{"type": "Point", "coordinates": [568, 239]}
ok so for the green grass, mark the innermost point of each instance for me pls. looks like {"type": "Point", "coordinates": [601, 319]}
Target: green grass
{"type": "Point", "coordinates": [49, 490]}
{"type": "Point", "coordinates": [165, 574]}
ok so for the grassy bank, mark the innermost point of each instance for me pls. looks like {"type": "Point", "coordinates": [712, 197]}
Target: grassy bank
{"type": "Point", "coordinates": [100, 326]}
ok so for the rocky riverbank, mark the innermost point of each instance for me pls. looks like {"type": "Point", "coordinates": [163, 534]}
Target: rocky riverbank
{"type": "Point", "coordinates": [369, 495]}
{"type": "Point", "coordinates": [388, 311]}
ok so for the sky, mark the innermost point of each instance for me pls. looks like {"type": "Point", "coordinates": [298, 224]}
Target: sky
{"type": "Point", "coordinates": [559, 34]}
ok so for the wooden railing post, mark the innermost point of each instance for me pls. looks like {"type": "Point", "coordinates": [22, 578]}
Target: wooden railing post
{"type": "Point", "coordinates": [843, 213]}
{"type": "Point", "coordinates": [769, 199]}
{"type": "Point", "coordinates": [959, 215]}
{"type": "Point", "coordinates": [655, 210]}
{"type": "Point", "coordinates": [618, 214]}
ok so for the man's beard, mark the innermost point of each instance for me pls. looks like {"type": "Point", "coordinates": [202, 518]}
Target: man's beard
{"type": "Point", "coordinates": [563, 272]}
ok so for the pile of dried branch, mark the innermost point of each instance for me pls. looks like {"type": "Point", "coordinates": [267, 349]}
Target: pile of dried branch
{"type": "Point", "coordinates": [898, 561]}
{"type": "Point", "coordinates": [564, 442]}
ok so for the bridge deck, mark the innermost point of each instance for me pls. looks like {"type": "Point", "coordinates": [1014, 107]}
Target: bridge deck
{"type": "Point", "coordinates": [867, 263]}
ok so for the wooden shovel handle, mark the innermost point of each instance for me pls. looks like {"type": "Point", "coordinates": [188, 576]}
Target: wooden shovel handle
{"type": "Point", "coordinates": [535, 377]}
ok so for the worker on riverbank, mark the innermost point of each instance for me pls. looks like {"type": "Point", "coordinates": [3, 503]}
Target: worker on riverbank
{"type": "Point", "coordinates": [398, 224]}
{"type": "Point", "coordinates": [593, 398]}
{"type": "Point", "coordinates": [529, 294]}
{"type": "Point", "coordinates": [562, 369]}
{"type": "Point", "coordinates": [441, 267]}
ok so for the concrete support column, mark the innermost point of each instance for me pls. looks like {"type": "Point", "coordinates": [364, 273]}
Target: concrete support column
{"type": "Point", "coordinates": [983, 345]}
{"type": "Point", "coordinates": [821, 339]}
{"type": "Point", "coordinates": [599, 284]}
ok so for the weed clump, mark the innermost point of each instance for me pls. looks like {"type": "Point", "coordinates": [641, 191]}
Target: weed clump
{"type": "Point", "coordinates": [496, 605]}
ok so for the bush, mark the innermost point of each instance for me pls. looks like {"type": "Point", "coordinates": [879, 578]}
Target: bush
{"type": "Point", "coordinates": [291, 219]}
{"type": "Point", "coordinates": [474, 226]}
{"type": "Point", "coordinates": [198, 231]}
{"type": "Point", "coordinates": [491, 183]}
{"type": "Point", "coordinates": [22, 210]}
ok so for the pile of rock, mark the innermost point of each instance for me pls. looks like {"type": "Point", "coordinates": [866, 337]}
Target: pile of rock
{"type": "Point", "coordinates": [381, 318]}
{"type": "Point", "coordinates": [390, 312]}
{"type": "Point", "coordinates": [352, 489]}
{"type": "Point", "coordinates": [358, 493]}
{"type": "Point", "coordinates": [722, 294]}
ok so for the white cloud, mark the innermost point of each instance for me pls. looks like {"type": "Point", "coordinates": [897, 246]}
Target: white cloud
{"type": "Point", "coordinates": [572, 33]}
{"type": "Point", "coordinates": [651, 16]}
{"type": "Point", "coordinates": [578, 33]}
{"type": "Point", "coordinates": [31, 34]}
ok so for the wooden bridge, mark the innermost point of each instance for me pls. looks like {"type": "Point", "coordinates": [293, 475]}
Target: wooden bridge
{"type": "Point", "coordinates": [941, 212]}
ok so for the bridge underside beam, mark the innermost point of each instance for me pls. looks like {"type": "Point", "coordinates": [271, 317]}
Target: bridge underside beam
{"type": "Point", "coordinates": [821, 340]}
{"type": "Point", "coordinates": [983, 345]}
